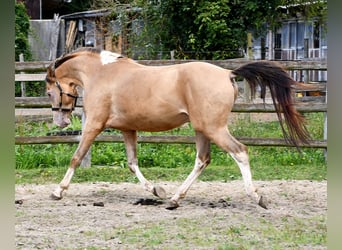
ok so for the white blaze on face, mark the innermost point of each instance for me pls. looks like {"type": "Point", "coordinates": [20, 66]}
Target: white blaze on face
{"type": "Point", "coordinates": [108, 57]}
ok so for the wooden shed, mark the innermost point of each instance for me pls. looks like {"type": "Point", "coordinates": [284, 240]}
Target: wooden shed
{"type": "Point", "coordinates": [103, 29]}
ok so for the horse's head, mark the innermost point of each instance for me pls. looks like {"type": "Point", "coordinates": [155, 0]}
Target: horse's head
{"type": "Point", "coordinates": [65, 74]}
{"type": "Point", "coordinates": [63, 96]}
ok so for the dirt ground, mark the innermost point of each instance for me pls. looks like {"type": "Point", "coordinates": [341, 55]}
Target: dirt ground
{"type": "Point", "coordinates": [96, 215]}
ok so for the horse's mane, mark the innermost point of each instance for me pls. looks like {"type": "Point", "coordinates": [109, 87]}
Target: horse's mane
{"type": "Point", "coordinates": [67, 56]}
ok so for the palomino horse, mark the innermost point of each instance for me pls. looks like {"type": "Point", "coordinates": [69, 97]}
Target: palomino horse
{"type": "Point", "coordinates": [119, 93]}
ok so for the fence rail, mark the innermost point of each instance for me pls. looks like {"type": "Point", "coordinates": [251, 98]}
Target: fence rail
{"type": "Point", "coordinates": [41, 66]}
{"type": "Point", "coordinates": [168, 139]}
{"type": "Point", "coordinates": [33, 73]}
{"type": "Point", "coordinates": [43, 102]}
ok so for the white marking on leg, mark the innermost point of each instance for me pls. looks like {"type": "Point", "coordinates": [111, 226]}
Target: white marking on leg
{"type": "Point", "coordinates": [109, 57]}
{"type": "Point", "coordinates": [146, 184]}
{"type": "Point", "coordinates": [241, 159]}
{"type": "Point", "coordinates": [64, 184]}
{"type": "Point", "coordinates": [130, 138]}
{"type": "Point", "coordinates": [183, 189]}
{"type": "Point", "coordinates": [202, 160]}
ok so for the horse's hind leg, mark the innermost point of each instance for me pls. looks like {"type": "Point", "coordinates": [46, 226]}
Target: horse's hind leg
{"type": "Point", "coordinates": [130, 139]}
{"type": "Point", "coordinates": [238, 151]}
{"type": "Point", "coordinates": [202, 160]}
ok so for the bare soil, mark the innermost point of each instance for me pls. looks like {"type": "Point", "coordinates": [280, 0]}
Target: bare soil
{"type": "Point", "coordinates": [97, 215]}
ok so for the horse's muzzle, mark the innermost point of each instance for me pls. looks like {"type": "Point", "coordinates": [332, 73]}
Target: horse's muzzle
{"type": "Point", "coordinates": [61, 119]}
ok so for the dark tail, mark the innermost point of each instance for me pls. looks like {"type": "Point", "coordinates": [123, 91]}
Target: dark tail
{"type": "Point", "coordinates": [271, 74]}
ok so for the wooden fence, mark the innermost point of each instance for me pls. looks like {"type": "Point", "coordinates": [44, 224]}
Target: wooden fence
{"type": "Point", "coordinates": [32, 71]}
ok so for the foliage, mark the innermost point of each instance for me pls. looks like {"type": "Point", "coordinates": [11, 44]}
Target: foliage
{"type": "Point", "coordinates": [213, 30]}
{"type": "Point", "coordinates": [309, 9]}
{"type": "Point", "coordinates": [205, 29]}
{"type": "Point", "coordinates": [218, 29]}
{"type": "Point", "coordinates": [32, 89]}
{"type": "Point", "coordinates": [22, 29]}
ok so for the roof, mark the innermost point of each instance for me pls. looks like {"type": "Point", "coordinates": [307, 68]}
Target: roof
{"type": "Point", "coordinates": [96, 13]}
{"type": "Point", "coordinates": [90, 13]}
{"type": "Point", "coordinates": [301, 3]}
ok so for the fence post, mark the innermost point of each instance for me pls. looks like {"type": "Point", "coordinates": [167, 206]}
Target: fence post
{"type": "Point", "coordinates": [246, 99]}
{"type": "Point", "coordinates": [325, 132]}
{"type": "Point", "coordinates": [86, 161]}
{"type": "Point", "coordinates": [22, 84]}
{"type": "Point", "coordinates": [246, 87]}
{"type": "Point", "coordinates": [172, 54]}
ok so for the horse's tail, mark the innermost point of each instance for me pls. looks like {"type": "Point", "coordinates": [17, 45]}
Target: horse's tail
{"type": "Point", "coordinates": [271, 74]}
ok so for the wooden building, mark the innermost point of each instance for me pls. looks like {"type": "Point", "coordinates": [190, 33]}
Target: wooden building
{"type": "Point", "coordinates": [296, 39]}
{"type": "Point", "coordinates": [104, 29]}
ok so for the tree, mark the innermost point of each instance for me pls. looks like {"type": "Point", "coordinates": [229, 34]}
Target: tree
{"type": "Point", "coordinates": [216, 29]}
{"type": "Point", "coordinates": [201, 29]}
{"type": "Point", "coordinates": [22, 29]}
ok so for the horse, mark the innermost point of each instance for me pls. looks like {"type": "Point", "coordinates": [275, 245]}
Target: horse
{"type": "Point", "coordinates": [122, 94]}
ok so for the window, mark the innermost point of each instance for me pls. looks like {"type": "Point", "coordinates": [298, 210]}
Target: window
{"type": "Point", "coordinates": [316, 36]}
{"type": "Point", "coordinates": [300, 35]}
{"type": "Point", "coordinates": [277, 41]}
{"type": "Point", "coordinates": [292, 40]}
{"type": "Point", "coordinates": [285, 36]}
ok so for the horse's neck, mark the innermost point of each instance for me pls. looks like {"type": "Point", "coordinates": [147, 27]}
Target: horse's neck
{"type": "Point", "coordinates": [81, 68]}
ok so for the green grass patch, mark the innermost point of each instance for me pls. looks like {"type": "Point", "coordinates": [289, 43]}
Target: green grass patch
{"type": "Point", "coordinates": [48, 162]}
{"type": "Point", "coordinates": [196, 233]}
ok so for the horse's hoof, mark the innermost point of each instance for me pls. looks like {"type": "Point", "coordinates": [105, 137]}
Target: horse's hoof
{"type": "Point", "coordinates": [55, 197]}
{"type": "Point", "coordinates": [159, 192]}
{"type": "Point", "coordinates": [171, 205]}
{"type": "Point", "coordinates": [262, 202]}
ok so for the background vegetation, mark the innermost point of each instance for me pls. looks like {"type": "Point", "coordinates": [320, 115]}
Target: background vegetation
{"type": "Point", "coordinates": [22, 29]}
{"type": "Point", "coordinates": [192, 29]}
{"type": "Point", "coordinates": [48, 163]}
{"type": "Point", "coordinates": [206, 29]}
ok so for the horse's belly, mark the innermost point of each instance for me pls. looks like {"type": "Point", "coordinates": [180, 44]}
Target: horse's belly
{"type": "Point", "coordinates": [142, 122]}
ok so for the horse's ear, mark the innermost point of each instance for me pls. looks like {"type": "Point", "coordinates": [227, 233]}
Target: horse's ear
{"type": "Point", "coordinates": [50, 73]}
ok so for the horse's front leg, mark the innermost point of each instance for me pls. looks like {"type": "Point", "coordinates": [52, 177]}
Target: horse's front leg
{"type": "Point", "coordinates": [202, 160]}
{"type": "Point", "coordinates": [130, 139]}
{"type": "Point", "coordinates": [83, 147]}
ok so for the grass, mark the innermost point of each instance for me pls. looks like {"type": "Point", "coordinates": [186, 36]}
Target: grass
{"type": "Point", "coordinates": [48, 163]}
{"type": "Point", "coordinates": [196, 233]}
